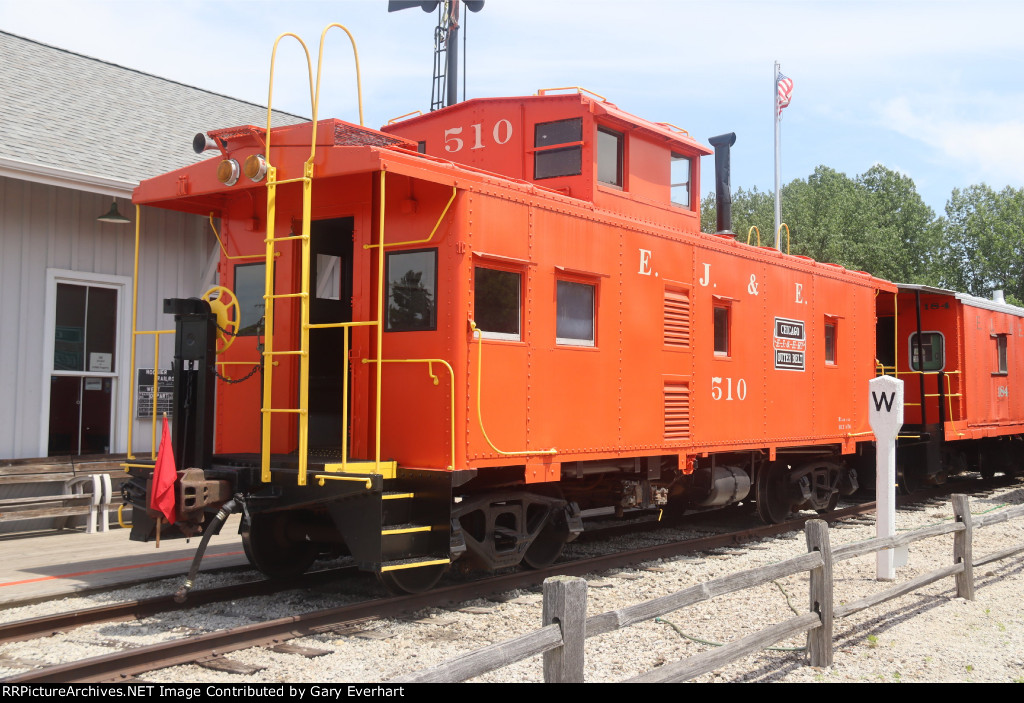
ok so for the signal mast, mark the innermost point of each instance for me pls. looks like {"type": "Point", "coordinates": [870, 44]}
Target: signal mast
{"type": "Point", "coordinates": [445, 88]}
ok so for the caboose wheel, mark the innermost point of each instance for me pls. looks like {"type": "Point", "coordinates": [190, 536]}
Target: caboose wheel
{"type": "Point", "coordinates": [773, 494]}
{"type": "Point", "coordinates": [547, 547]}
{"type": "Point", "coordinates": [832, 503]}
{"type": "Point", "coordinates": [415, 580]}
{"type": "Point", "coordinates": [907, 479]}
{"type": "Point", "coordinates": [271, 550]}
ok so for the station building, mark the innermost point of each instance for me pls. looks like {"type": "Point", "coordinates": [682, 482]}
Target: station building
{"type": "Point", "coordinates": [77, 134]}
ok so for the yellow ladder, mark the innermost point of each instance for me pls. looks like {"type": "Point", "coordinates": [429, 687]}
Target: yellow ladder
{"type": "Point", "coordinates": [269, 295]}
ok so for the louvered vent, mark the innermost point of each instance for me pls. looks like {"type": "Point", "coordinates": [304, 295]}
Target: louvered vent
{"type": "Point", "coordinates": [677, 411]}
{"type": "Point", "coordinates": [677, 318]}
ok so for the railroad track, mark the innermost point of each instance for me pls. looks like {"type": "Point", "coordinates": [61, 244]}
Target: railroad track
{"type": "Point", "coordinates": [210, 648]}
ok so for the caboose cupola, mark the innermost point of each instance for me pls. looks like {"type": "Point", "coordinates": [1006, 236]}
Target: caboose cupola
{"type": "Point", "coordinates": [576, 144]}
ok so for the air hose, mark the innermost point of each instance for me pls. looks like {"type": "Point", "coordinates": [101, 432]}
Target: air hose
{"type": "Point", "coordinates": [225, 511]}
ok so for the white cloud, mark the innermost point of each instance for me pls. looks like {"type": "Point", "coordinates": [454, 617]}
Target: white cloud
{"type": "Point", "coordinates": [986, 143]}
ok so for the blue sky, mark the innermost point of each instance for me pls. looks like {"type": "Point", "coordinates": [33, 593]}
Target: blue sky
{"type": "Point", "coordinates": [931, 88]}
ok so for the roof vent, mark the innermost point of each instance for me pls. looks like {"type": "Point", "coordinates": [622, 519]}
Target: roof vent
{"type": "Point", "coordinates": [997, 296]}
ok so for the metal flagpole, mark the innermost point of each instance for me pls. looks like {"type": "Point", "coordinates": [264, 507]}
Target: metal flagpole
{"type": "Point", "coordinates": [778, 203]}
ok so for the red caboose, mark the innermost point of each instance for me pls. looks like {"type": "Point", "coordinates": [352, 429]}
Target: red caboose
{"type": "Point", "coordinates": [961, 370]}
{"type": "Point", "coordinates": [467, 333]}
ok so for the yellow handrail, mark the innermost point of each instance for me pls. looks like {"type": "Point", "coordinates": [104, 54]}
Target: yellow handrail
{"type": "Point", "coordinates": [334, 477]}
{"type": "Point", "coordinates": [320, 64]}
{"type": "Point", "coordinates": [432, 232]}
{"type": "Point", "coordinates": [477, 334]}
{"type": "Point", "coordinates": [224, 248]}
{"type": "Point", "coordinates": [581, 91]}
{"type": "Point", "coordinates": [754, 229]}
{"type": "Point", "coordinates": [402, 117]}
{"type": "Point", "coordinates": [778, 234]}
{"type": "Point", "coordinates": [430, 365]}
{"type": "Point", "coordinates": [675, 127]}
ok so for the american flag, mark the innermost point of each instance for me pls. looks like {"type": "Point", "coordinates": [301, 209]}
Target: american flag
{"type": "Point", "coordinates": [785, 90]}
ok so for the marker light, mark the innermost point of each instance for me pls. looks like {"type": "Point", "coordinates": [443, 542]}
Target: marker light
{"type": "Point", "coordinates": [228, 172]}
{"type": "Point", "coordinates": [255, 167]}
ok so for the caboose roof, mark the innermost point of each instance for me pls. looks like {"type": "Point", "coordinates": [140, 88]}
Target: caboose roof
{"type": "Point", "coordinates": [965, 298]}
{"type": "Point", "coordinates": [592, 103]}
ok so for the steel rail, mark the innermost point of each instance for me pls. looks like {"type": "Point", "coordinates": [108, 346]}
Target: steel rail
{"type": "Point", "coordinates": [121, 666]}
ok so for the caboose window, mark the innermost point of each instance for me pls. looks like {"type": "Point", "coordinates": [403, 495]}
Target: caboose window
{"type": "Point", "coordinates": [721, 331]}
{"type": "Point", "coordinates": [496, 307]}
{"type": "Point", "coordinates": [679, 177]}
{"type": "Point", "coordinates": [830, 342]}
{"type": "Point", "coordinates": [609, 156]}
{"type": "Point", "coordinates": [932, 352]}
{"type": "Point", "coordinates": [250, 281]}
{"type": "Point", "coordinates": [1001, 353]}
{"type": "Point", "coordinates": [412, 290]}
{"type": "Point", "coordinates": [575, 317]}
{"type": "Point", "coordinates": [550, 162]}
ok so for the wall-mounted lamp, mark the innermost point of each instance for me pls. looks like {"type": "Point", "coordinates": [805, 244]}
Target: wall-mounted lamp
{"type": "Point", "coordinates": [114, 217]}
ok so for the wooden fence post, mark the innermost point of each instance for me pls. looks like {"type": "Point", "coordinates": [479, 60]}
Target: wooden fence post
{"type": "Point", "coordinates": [565, 603]}
{"type": "Point", "coordinates": [819, 639]}
{"type": "Point", "coordinates": [962, 547]}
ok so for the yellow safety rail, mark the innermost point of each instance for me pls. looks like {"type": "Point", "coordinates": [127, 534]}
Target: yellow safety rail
{"type": "Point", "coordinates": [575, 88]}
{"type": "Point", "coordinates": [430, 371]}
{"type": "Point", "coordinates": [224, 249]}
{"type": "Point", "coordinates": [778, 234]}
{"type": "Point", "coordinates": [402, 117]}
{"type": "Point", "coordinates": [131, 363]}
{"type": "Point", "coordinates": [478, 336]}
{"type": "Point", "coordinates": [751, 231]}
{"type": "Point", "coordinates": [675, 128]}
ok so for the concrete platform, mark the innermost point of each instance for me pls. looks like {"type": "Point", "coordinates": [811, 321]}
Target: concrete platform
{"type": "Point", "coordinates": [43, 565]}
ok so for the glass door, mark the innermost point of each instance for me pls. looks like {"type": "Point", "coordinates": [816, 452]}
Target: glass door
{"type": "Point", "coordinates": [84, 377]}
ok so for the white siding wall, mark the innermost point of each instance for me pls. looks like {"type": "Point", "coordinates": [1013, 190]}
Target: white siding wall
{"type": "Point", "coordinates": [47, 227]}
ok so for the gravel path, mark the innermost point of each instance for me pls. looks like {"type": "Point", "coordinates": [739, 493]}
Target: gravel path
{"type": "Point", "coordinates": [929, 636]}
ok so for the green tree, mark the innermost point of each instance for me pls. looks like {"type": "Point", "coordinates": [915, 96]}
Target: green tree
{"type": "Point", "coordinates": [983, 245]}
{"type": "Point", "coordinates": [876, 222]}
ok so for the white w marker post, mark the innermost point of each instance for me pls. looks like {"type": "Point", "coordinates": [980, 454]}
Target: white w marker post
{"type": "Point", "coordinates": [885, 413]}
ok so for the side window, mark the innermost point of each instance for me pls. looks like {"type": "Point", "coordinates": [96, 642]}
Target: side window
{"type": "Point", "coordinates": [831, 327]}
{"type": "Point", "coordinates": [723, 313]}
{"type": "Point", "coordinates": [679, 177]}
{"type": "Point", "coordinates": [250, 282]}
{"type": "Point", "coordinates": [1001, 354]}
{"type": "Point", "coordinates": [576, 311]}
{"type": "Point", "coordinates": [609, 156]}
{"type": "Point", "coordinates": [412, 290]}
{"type": "Point", "coordinates": [932, 352]}
{"type": "Point", "coordinates": [496, 303]}
{"type": "Point", "coordinates": [559, 148]}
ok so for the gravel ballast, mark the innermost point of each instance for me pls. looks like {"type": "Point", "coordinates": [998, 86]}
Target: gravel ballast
{"type": "Point", "coordinates": [928, 636]}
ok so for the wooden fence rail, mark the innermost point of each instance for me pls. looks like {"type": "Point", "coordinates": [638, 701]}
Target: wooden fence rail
{"type": "Point", "coordinates": [565, 625]}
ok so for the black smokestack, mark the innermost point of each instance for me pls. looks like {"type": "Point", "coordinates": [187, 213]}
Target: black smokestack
{"type": "Point", "coordinates": [723, 189]}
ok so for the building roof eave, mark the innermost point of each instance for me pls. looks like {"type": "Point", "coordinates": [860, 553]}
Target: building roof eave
{"type": "Point", "coordinates": [75, 180]}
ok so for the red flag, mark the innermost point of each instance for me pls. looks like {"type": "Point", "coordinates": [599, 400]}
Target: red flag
{"type": "Point", "coordinates": [161, 498]}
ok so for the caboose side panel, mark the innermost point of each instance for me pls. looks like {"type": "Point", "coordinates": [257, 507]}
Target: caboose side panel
{"type": "Point", "coordinates": [575, 380]}
{"type": "Point", "coordinates": [993, 401]}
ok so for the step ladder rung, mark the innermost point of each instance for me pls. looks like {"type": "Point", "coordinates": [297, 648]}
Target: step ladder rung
{"type": "Point", "coordinates": [412, 563]}
{"type": "Point", "coordinates": [405, 529]}
{"type": "Point", "coordinates": [397, 496]}
{"type": "Point", "coordinates": [283, 410]}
